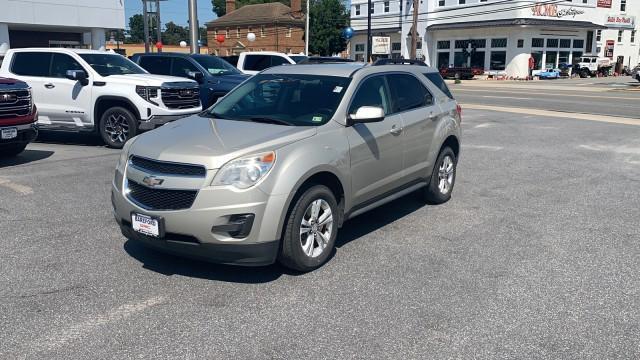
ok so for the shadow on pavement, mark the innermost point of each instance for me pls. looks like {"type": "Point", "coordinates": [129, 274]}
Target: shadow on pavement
{"type": "Point", "coordinates": [69, 138]}
{"type": "Point", "coordinates": [25, 157]}
{"type": "Point", "coordinates": [169, 265]}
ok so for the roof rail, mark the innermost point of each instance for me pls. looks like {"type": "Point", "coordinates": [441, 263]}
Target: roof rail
{"type": "Point", "coordinates": [324, 60]}
{"type": "Point", "coordinates": [398, 62]}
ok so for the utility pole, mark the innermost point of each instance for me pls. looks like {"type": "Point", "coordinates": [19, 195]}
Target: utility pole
{"type": "Point", "coordinates": [414, 31]}
{"type": "Point", "coordinates": [306, 31]}
{"type": "Point", "coordinates": [369, 31]}
{"type": "Point", "coordinates": [158, 24]}
{"type": "Point", "coordinates": [194, 27]}
{"type": "Point", "coordinates": [145, 19]}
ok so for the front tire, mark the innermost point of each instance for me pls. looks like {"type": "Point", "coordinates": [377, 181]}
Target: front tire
{"type": "Point", "coordinates": [311, 230]}
{"type": "Point", "coordinates": [443, 178]}
{"type": "Point", "coordinates": [585, 73]}
{"type": "Point", "coordinates": [117, 125]}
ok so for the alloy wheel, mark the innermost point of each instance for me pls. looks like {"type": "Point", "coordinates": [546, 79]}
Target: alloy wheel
{"type": "Point", "coordinates": [445, 175]}
{"type": "Point", "coordinates": [117, 128]}
{"type": "Point", "coordinates": [316, 228]}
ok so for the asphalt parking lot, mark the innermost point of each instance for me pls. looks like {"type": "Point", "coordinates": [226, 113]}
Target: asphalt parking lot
{"type": "Point", "coordinates": [536, 256]}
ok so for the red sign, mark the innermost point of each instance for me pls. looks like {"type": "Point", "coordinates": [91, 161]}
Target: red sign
{"type": "Point", "coordinates": [608, 52]}
{"type": "Point", "coordinates": [604, 3]}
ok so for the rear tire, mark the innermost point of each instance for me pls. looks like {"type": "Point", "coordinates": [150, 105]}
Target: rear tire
{"type": "Point", "coordinates": [585, 73]}
{"type": "Point", "coordinates": [443, 178]}
{"type": "Point", "coordinates": [12, 150]}
{"type": "Point", "coordinates": [311, 230]}
{"type": "Point", "coordinates": [117, 125]}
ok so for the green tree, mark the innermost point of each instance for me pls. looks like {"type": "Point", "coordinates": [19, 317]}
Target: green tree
{"type": "Point", "coordinates": [328, 20]}
{"type": "Point", "coordinates": [173, 34]}
{"type": "Point", "coordinates": [220, 7]}
{"type": "Point", "coordinates": [136, 29]}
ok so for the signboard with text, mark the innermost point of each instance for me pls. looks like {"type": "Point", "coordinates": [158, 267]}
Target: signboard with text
{"type": "Point", "coordinates": [608, 51]}
{"type": "Point", "coordinates": [604, 4]}
{"type": "Point", "coordinates": [380, 45]}
{"type": "Point", "coordinates": [620, 22]}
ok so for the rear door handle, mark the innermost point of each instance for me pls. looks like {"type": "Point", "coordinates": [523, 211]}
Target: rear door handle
{"type": "Point", "coordinates": [49, 86]}
{"type": "Point", "coordinates": [395, 130]}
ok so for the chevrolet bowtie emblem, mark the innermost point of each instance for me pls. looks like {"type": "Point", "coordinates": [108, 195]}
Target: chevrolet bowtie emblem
{"type": "Point", "coordinates": [152, 181]}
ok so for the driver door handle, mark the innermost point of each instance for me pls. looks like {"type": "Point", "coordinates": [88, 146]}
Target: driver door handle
{"type": "Point", "coordinates": [395, 130]}
{"type": "Point", "coordinates": [49, 86]}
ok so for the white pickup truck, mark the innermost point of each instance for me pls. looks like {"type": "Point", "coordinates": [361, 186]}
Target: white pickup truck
{"type": "Point", "coordinates": [592, 65]}
{"type": "Point", "coordinates": [253, 62]}
{"type": "Point", "coordinates": [99, 91]}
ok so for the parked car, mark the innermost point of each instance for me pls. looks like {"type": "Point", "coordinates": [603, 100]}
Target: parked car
{"type": "Point", "coordinates": [253, 62]}
{"type": "Point", "coordinates": [274, 169]}
{"type": "Point", "coordinates": [100, 92]}
{"type": "Point", "coordinates": [464, 73]}
{"type": "Point", "coordinates": [297, 58]}
{"type": "Point", "coordinates": [323, 60]}
{"type": "Point", "coordinates": [215, 76]}
{"type": "Point", "coordinates": [549, 74]}
{"type": "Point", "coordinates": [18, 117]}
{"type": "Point", "coordinates": [635, 72]}
{"type": "Point", "coordinates": [589, 66]}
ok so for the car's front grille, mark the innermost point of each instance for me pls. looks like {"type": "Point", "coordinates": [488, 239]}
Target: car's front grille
{"type": "Point", "coordinates": [167, 168]}
{"type": "Point", "coordinates": [181, 98]}
{"type": "Point", "coordinates": [15, 103]}
{"type": "Point", "coordinates": [160, 199]}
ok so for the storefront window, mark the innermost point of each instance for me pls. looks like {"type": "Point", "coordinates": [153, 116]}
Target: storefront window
{"type": "Point", "coordinates": [564, 57]}
{"type": "Point", "coordinates": [537, 57]}
{"type": "Point", "coordinates": [552, 43]}
{"type": "Point", "coordinates": [537, 42]}
{"type": "Point", "coordinates": [565, 43]}
{"type": "Point", "coordinates": [477, 59]}
{"type": "Point", "coordinates": [578, 44]}
{"type": "Point", "coordinates": [552, 57]}
{"type": "Point", "coordinates": [459, 59]}
{"type": "Point", "coordinates": [499, 43]}
{"type": "Point", "coordinates": [444, 44]}
{"type": "Point", "coordinates": [576, 55]}
{"type": "Point", "coordinates": [443, 60]}
{"type": "Point", "coordinates": [498, 60]}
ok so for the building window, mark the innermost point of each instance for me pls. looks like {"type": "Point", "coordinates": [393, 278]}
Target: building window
{"type": "Point", "coordinates": [552, 43]}
{"type": "Point", "coordinates": [520, 43]}
{"type": "Point", "coordinates": [620, 32]}
{"type": "Point", "coordinates": [565, 43]}
{"type": "Point", "coordinates": [589, 45]}
{"type": "Point", "coordinates": [462, 2]}
{"type": "Point", "coordinates": [537, 42]}
{"type": "Point", "coordinates": [357, 10]}
{"type": "Point", "coordinates": [578, 44]}
{"type": "Point", "coordinates": [499, 43]}
{"type": "Point", "coordinates": [477, 43]}
{"type": "Point", "coordinates": [215, 33]}
{"type": "Point", "coordinates": [289, 31]}
{"type": "Point", "coordinates": [262, 31]}
{"type": "Point", "coordinates": [396, 46]}
{"type": "Point", "coordinates": [633, 36]}
{"type": "Point", "coordinates": [386, 6]}
{"type": "Point", "coordinates": [599, 35]}
{"type": "Point", "coordinates": [359, 47]}
{"type": "Point", "coordinates": [226, 33]}
{"type": "Point", "coordinates": [498, 60]}
{"type": "Point", "coordinates": [443, 60]}
{"type": "Point", "coordinates": [623, 5]}
{"type": "Point", "coordinates": [444, 44]}
{"type": "Point", "coordinates": [237, 33]}
{"type": "Point", "coordinates": [440, 2]}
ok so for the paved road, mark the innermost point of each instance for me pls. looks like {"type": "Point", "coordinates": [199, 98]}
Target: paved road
{"type": "Point", "coordinates": [604, 96]}
{"type": "Point", "coordinates": [536, 256]}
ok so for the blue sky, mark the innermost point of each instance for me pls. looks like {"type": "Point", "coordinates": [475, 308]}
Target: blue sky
{"type": "Point", "coordinates": [172, 10]}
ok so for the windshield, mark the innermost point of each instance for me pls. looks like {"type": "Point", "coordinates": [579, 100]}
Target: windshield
{"type": "Point", "coordinates": [297, 100]}
{"type": "Point", "coordinates": [216, 66]}
{"type": "Point", "coordinates": [297, 58]}
{"type": "Point", "coordinates": [107, 64]}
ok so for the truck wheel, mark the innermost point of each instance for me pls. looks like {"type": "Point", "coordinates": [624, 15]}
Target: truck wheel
{"type": "Point", "coordinates": [311, 230]}
{"type": "Point", "coordinates": [117, 125]}
{"type": "Point", "coordinates": [585, 73]}
{"type": "Point", "coordinates": [443, 178]}
{"type": "Point", "coordinates": [12, 150]}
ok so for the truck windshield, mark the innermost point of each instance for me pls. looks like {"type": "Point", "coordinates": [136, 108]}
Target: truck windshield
{"type": "Point", "coordinates": [112, 64]}
{"type": "Point", "coordinates": [284, 99]}
{"type": "Point", "coordinates": [215, 65]}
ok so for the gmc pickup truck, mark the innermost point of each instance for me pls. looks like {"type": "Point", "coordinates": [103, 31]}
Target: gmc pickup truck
{"type": "Point", "coordinates": [18, 117]}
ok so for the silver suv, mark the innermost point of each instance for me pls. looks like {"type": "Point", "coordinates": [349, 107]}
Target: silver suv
{"type": "Point", "coordinates": [274, 169]}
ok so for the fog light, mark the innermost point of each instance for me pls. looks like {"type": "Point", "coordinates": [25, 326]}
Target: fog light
{"type": "Point", "coordinates": [238, 227]}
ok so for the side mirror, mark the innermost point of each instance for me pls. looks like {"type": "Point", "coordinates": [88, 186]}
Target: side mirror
{"type": "Point", "coordinates": [196, 75]}
{"type": "Point", "coordinates": [78, 75]}
{"type": "Point", "coordinates": [367, 114]}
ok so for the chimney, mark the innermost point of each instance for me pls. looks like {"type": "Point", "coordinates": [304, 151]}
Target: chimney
{"type": "Point", "coordinates": [230, 6]}
{"type": "Point", "coordinates": [296, 7]}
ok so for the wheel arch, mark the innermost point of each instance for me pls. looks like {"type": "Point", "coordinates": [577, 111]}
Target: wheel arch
{"type": "Point", "coordinates": [103, 103]}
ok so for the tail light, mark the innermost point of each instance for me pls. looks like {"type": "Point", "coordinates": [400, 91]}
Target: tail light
{"type": "Point", "coordinates": [459, 111]}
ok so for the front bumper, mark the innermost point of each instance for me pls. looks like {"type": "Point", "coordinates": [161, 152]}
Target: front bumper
{"type": "Point", "coordinates": [26, 134]}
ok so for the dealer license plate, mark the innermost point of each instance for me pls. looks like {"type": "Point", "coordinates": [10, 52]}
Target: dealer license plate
{"type": "Point", "coordinates": [145, 225]}
{"type": "Point", "coordinates": [9, 133]}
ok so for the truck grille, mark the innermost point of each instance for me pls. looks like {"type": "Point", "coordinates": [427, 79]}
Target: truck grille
{"type": "Point", "coordinates": [181, 98]}
{"type": "Point", "coordinates": [167, 168]}
{"type": "Point", "coordinates": [15, 103]}
{"type": "Point", "coordinates": [160, 199]}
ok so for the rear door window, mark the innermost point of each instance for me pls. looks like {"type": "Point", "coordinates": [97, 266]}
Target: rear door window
{"type": "Point", "coordinates": [31, 64]}
{"type": "Point", "coordinates": [159, 65]}
{"type": "Point", "coordinates": [407, 92]}
{"type": "Point", "coordinates": [257, 62]}
{"type": "Point", "coordinates": [437, 80]}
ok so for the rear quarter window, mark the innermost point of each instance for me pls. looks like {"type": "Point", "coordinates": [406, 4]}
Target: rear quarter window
{"type": "Point", "coordinates": [437, 80]}
{"type": "Point", "coordinates": [31, 64]}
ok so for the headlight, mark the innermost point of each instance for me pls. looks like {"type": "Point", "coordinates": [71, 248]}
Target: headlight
{"type": "Point", "coordinates": [149, 93]}
{"type": "Point", "coordinates": [246, 171]}
{"type": "Point", "coordinates": [124, 155]}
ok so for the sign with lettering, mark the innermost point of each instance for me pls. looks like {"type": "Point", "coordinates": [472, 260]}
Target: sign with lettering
{"type": "Point", "coordinates": [608, 50]}
{"type": "Point", "coordinates": [553, 10]}
{"type": "Point", "coordinates": [604, 3]}
{"type": "Point", "coordinates": [620, 22]}
{"type": "Point", "coordinates": [380, 45]}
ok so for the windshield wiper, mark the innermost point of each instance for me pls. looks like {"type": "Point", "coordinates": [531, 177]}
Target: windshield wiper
{"type": "Point", "coordinates": [268, 120]}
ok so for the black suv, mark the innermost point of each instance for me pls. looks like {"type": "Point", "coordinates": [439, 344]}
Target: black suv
{"type": "Point", "coordinates": [215, 76]}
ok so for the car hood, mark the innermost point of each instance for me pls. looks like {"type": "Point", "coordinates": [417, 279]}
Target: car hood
{"type": "Point", "coordinates": [150, 79]}
{"type": "Point", "coordinates": [214, 142]}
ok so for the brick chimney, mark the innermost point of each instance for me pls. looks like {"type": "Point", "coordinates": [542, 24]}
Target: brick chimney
{"type": "Point", "coordinates": [296, 7]}
{"type": "Point", "coordinates": [230, 6]}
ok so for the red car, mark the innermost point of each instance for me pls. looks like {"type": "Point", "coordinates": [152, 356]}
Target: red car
{"type": "Point", "coordinates": [18, 117]}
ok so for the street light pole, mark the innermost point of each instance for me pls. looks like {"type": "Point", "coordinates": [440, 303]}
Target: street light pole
{"type": "Point", "coordinates": [194, 28]}
{"type": "Point", "coordinates": [306, 31]}
{"type": "Point", "coordinates": [369, 31]}
{"type": "Point", "coordinates": [145, 20]}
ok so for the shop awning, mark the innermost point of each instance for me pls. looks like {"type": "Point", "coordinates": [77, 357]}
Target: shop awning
{"type": "Point", "coordinates": [517, 22]}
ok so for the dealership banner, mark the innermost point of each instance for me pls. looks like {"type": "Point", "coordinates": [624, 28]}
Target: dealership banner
{"type": "Point", "coordinates": [620, 22]}
{"type": "Point", "coordinates": [604, 3]}
{"type": "Point", "coordinates": [380, 45]}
